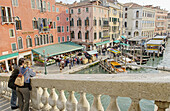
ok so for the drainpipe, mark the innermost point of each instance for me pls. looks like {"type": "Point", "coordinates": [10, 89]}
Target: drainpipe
{"type": "Point", "coordinates": [15, 32]}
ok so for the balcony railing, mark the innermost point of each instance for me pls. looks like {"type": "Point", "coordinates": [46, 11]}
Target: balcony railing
{"type": "Point", "coordinates": [7, 20]}
{"type": "Point", "coordinates": [135, 86]}
{"type": "Point", "coordinates": [44, 29]}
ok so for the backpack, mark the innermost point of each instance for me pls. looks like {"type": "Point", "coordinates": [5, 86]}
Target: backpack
{"type": "Point", "coordinates": [12, 78]}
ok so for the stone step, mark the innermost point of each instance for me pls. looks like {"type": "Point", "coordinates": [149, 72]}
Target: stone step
{"type": "Point", "coordinates": [5, 105]}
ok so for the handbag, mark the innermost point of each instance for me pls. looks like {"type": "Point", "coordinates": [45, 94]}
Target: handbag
{"type": "Point", "coordinates": [19, 81]}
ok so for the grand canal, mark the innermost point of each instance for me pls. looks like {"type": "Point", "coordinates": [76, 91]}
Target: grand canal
{"type": "Point", "coordinates": [124, 102]}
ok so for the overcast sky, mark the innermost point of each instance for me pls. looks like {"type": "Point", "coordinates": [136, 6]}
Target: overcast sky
{"type": "Point", "coordinates": [163, 3]}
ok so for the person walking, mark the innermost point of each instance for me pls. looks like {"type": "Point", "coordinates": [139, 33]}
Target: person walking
{"type": "Point", "coordinates": [23, 92]}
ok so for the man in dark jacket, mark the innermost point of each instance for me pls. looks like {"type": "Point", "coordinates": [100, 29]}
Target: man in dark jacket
{"type": "Point", "coordinates": [11, 84]}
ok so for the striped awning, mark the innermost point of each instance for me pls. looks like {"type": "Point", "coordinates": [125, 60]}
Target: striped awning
{"type": "Point", "coordinates": [8, 56]}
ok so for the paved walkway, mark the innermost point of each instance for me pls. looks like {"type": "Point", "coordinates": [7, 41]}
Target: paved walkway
{"type": "Point", "coordinates": [5, 105]}
{"type": "Point", "coordinates": [53, 69]}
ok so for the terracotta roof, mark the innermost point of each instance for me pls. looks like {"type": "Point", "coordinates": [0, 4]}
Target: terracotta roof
{"type": "Point", "coordinates": [84, 3]}
{"type": "Point", "coordinates": [131, 5]}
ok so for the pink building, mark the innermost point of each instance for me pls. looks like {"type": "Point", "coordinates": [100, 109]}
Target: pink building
{"type": "Point", "coordinates": [89, 24]}
{"type": "Point", "coordinates": [30, 24]}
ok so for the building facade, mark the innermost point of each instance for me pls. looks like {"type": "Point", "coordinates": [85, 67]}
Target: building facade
{"type": "Point", "coordinates": [30, 24]}
{"type": "Point", "coordinates": [168, 25]}
{"type": "Point", "coordinates": [138, 20]}
{"type": "Point", "coordinates": [89, 23]}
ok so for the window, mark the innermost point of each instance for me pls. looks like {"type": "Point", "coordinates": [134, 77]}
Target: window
{"type": "Point", "coordinates": [72, 22]}
{"type": "Point", "coordinates": [100, 35]}
{"type": "Point", "coordinates": [79, 35]}
{"type": "Point", "coordinates": [87, 35]}
{"type": "Point", "coordinates": [67, 11]}
{"type": "Point", "coordinates": [15, 3]}
{"type": "Point", "coordinates": [11, 33]}
{"type": "Point", "coordinates": [47, 38]}
{"type": "Point", "coordinates": [32, 3]}
{"type": "Point", "coordinates": [87, 21]}
{"type": "Point", "coordinates": [14, 48]}
{"type": "Point", "coordinates": [57, 9]}
{"type": "Point", "coordinates": [58, 18]}
{"type": "Point", "coordinates": [54, 25]}
{"type": "Point", "coordinates": [29, 41]}
{"type": "Point", "coordinates": [58, 39]}
{"type": "Point", "coordinates": [20, 44]}
{"type": "Point", "coordinates": [79, 22]}
{"type": "Point", "coordinates": [110, 19]}
{"type": "Point", "coordinates": [62, 39]}
{"type": "Point", "coordinates": [125, 24]}
{"type": "Point", "coordinates": [6, 14]}
{"type": "Point", "coordinates": [95, 22]}
{"type": "Point", "coordinates": [72, 34]}
{"type": "Point", "coordinates": [100, 22]}
{"type": "Point", "coordinates": [41, 40]}
{"type": "Point", "coordinates": [125, 15]}
{"type": "Point", "coordinates": [51, 38]}
{"type": "Point", "coordinates": [68, 38]}
{"type": "Point", "coordinates": [50, 24]}
{"type": "Point", "coordinates": [35, 23]}
{"type": "Point", "coordinates": [67, 19]}
{"type": "Point", "coordinates": [95, 35]}
{"type": "Point", "coordinates": [36, 39]}
{"type": "Point", "coordinates": [44, 6]}
{"type": "Point", "coordinates": [49, 8]}
{"type": "Point", "coordinates": [137, 14]}
{"type": "Point", "coordinates": [59, 29]}
{"type": "Point", "coordinates": [44, 38]}
{"type": "Point", "coordinates": [87, 9]}
{"type": "Point", "coordinates": [67, 28]}
{"type": "Point", "coordinates": [136, 24]}
{"type": "Point", "coordinates": [126, 9]}
{"type": "Point", "coordinates": [53, 8]}
{"type": "Point", "coordinates": [18, 23]}
{"type": "Point", "coordinates": [79, 10]}
{"type": "Point", "coordinates": [38, 4]}
{"type": "Point", "coordinates": [129, 33]}
{"type": "Point", "coordinates": [71, 11]}
{"type": "Point", "coordinates": [62, 28]}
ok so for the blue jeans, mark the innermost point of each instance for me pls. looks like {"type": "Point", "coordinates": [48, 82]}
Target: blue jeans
{"type": "Point", "coordinates": [13, 98]}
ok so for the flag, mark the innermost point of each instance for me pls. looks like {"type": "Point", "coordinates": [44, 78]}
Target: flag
{"type": "Point", "coordinates": [49, 25]}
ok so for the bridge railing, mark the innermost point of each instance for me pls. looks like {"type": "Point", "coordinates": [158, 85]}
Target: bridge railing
{"type": "Point", "coordinates": [135, 86]}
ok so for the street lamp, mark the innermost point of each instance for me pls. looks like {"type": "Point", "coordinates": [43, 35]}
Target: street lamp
{"type": "Point", "coordinates": [45, 63]}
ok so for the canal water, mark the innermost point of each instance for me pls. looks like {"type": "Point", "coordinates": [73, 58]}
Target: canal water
{"type": "Point", "coordinates": [124, 102]}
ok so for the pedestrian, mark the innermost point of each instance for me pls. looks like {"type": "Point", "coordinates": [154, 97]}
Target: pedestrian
{"type": "Point", "coordinates": [60, 68]}
{"type": "Point", "coordinates": [71, 61]}
{"type": "Point", "coordinates": [23, 92]}
{"type": "Point", "coordinates": [70, 65]}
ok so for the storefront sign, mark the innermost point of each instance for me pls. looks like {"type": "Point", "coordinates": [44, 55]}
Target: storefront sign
{"type": "Point", "coordinates": [27, 32]}
{"type": "Point", "coordinates": [4, 53]}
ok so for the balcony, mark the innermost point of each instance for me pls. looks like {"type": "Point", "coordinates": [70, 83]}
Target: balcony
{"type": "Point", "coordinates": [160, 26]}
{"type": "Point", "coordinates": [7, 20]}
{"type": "Point", "coordinates": [44, 30]}
{"type": "Point", "coordinates": [135, 86]}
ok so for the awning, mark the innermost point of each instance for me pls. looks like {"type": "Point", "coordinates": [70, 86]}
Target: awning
{"type": "Point", "coordinates": [124, 44]}
{"type": "Point", "coordinates": [102, 43]}
{"type": "Point", "coordinates": [8, 56]}
{"type": "Point", "coordinates": [114, 51]}
{"type": "Point", "coordinates": [116, 41]}
{"type": "Point", "coordinates": [155, 42]}
{"type": "Point", "coordinates": [57, 49]}
{"type": "Point", "coordinates": [92, 52]}
{"type": "Point", "coordinates": [123, 37]}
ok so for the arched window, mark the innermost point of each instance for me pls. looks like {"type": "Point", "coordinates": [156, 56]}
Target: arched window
{"type": "Point", "coordinates": [136, 34]}
{"type": "Point", "coordinates": [79, 35]}
{"type": "Point", "coordinates": [72, 22]}
{"type": "Point", "coordinates": [36, 39]}
{"type": "Point", "coordinates": [136, 24]}
{"type": "Point", "coordinates": [18, 23]}
{"type": "Point", "coordinates": [87, 35]}
{"type": "Point", "coordinates": [41, 40]}
{"type": "Point", "coordinates": [29, 41]}
{"type": "Point", "coordinates": [47, 39]}
{"type": "Point", "coordinates": [49, 8]}
{"type": "Point", "coordinates": [44, 38]}
{"type": "Point", "coordinates": [35, 23]}
{"type": "Point", "coordinates": [100, 22]}
{"type": "Point", "coordinates": [51, 38]}
{"type": "Point", "coordinates": [44, 6]}
{"type": "Point", "coordinates": [125, 24]}
{"type": "Point", "coordinates": [20, 44]}
{"type": "Point", "coordinates": [72, 34]}
{"type": "Point", "coordinates": [95, 21]}
{"type": "Point", "coordinates": [79, 22]}
{"type": "Point", "coordinates": [87, 21]}
{"type": "Point", "coordinates": [137, 14]}
{"type": "Point", "coordinates": [125, 15]}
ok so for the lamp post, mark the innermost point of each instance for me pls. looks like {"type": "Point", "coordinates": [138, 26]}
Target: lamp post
{"type": "Point", "coordinates": [45, 63]}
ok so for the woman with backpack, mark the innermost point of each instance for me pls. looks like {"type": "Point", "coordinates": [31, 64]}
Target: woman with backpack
{"type": "Point", "coordinates": [23, 92]}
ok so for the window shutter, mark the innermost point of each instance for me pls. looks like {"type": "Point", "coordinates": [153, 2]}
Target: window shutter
{"type": "Point", "coordinates": [27, 42]}
{"type": "Point", "coordinates": [30, 42]}
{"type": "Point", "coordinates": [77, 23]}
{"type": "Point", "coordinates": [33, 24]}
{"type": "Point", "coordinates": [17, 25]}
{"type": "Point", "coordinates": [35, 41]}
{"type": "Point", "coordinates": [20, 25]}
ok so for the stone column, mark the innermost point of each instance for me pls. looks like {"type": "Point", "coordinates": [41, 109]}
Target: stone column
{"type": "Point", "coordinates": [6, 64]}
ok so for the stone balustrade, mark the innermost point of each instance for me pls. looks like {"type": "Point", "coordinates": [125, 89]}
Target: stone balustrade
{"type": "Point", "coordinates": [48, 91]}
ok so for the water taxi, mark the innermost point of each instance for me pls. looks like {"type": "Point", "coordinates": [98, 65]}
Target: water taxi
{"type": "Point", "coordinates": [163, 38]}
{"type": "Point", "coordinates": [117, 67]}
{"type": "Point", "coordinates": [131, 64]}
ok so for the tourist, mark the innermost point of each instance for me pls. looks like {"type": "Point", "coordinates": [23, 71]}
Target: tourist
{"type": "Point", "coordinates": [23, 92]}
{"type": "Point", "coordinates": [71, 61]}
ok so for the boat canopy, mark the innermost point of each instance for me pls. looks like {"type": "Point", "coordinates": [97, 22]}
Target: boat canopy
{"type": "Point", "coordinates": [123, 37]}
{"type": "Point", "coordinates": [115, 63]}
{"type": "Point", "coordinates": [102, 43]}
{"type": "Point", "coordinates": [114, 51]}
{"type": "Point", "coordinates": [124, 44]}
{"type": "Point", "coordinates": [155, 42]}
{"type": "Point", "coordinates": [92, 52]}
{"type": "Point", "coordinates": [159, 37]}
{"type": "Point", "coordinates": [116, 41]}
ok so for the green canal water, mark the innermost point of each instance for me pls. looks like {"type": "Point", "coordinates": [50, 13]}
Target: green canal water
{"type": "Point", "coordinates": [124, 102]}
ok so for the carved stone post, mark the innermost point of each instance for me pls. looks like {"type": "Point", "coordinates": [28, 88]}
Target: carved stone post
{"type": "Point", "coordinates": [72, 102]}
{"type": "Point", "coordinates": [53, 100]}
{"type": "Point", "coordinates": [61, 103]}
{"type": "Point", "coordinates": [83, 104]}
{"type": "Point", "coordinates": [113, 104]}
{"type": "Point", "coordinates": [97, 105]}
{"type": "Point", "coordinates": [44, 100]}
